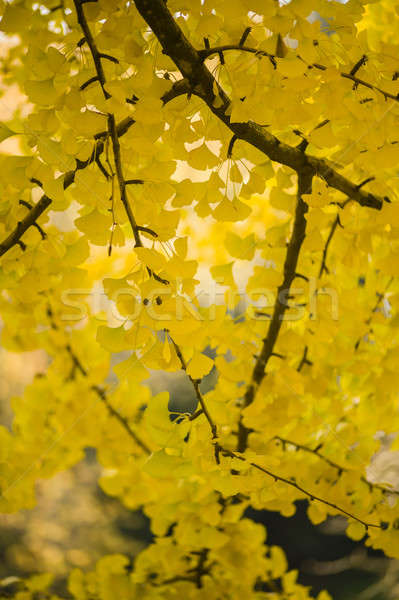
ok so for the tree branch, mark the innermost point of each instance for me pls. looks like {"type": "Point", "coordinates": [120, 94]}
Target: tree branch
{"type": "Point", "coordinates": [121, 180]}
{"type": "Point", "coordinates": [323, 266]}
{"type": "Point", "coordinates": [339, 468]}
{"type": "Point", "coordinates": [103, 397]}
{"type": "Point", "coordinates": [69, 177]}
{"type": "Point", "coordinates": [30, 219]}
{"type": "Point", "coordinates": [207, 52]}
{"type": "Point", "coordinates": [195, 384]}
{"type": "Point", "coordinates": [380, 298]}
{"type": "Point", "coordinates": [93, 48]}
{"type": "Point", "coordinates": [304, 360]}
{"type": "Point", "coordinates": [293, 483]}
{"type": "Point", "coordinates": [198, 80]}
{"type": "Point", "coordinates": [99, 390]}
{"type": "Point", "coordinates": [280, 306]}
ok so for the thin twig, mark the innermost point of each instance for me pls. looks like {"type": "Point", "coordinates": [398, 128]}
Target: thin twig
{"type": "Point", "coordinates": [323, 266]}
{"type": "Point", "coordinates": [103, 396]}
{"type": "Point", "coordinates": [99, 390]}
{"type": "Point", "coordinates": [206, 52]}
{"type": "Point", "coordinates": [292, 483]}
{"type": "Point", "coordinates": [339, 468]}
{"type": "Point", "coordinates": [195, 385]}
{"type": "Point", "coordinates": [304, 360]}
{"type": "Point", "coordinates": [93, 48]}
{"type": "Point", "coordinates": [121, 180]}
{"type": "Point", "coordinates": [380, 298]}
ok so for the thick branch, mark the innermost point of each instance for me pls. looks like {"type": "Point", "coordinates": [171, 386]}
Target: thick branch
{"type": "Point", "coordinates": [30, 219]}
{"type": "Point", "coordinates": [198, 80]}
{"type": "Point", "coordinates": [280, 306]}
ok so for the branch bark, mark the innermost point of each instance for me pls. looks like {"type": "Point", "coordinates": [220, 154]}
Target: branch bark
{"type": "Point", "coordinates": [69, 177]}
{"type": "Point", "coordinates": [280, 306]}
{"type": "Point", "coordinates": [206, 52]}
{"type": "Point", "coordinates": [199, 81]}
{"type": "Point", "coordinates": [30, 219]}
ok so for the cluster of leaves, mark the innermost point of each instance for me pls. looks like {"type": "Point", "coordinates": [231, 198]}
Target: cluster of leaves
{"type": "Point", "coordinates": [287, 126]}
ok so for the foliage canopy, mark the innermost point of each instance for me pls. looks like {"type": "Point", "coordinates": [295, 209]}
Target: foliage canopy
{"type": "Point", "coordinates": [252, 143]}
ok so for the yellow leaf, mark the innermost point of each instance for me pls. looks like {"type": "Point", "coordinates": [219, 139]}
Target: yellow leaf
{"type": "Point", "coordinates": [151, 258]}
{"type": "Point", "coordinates": [112, 338]}
{"type": "Point", "coordinates": [96, 226]}
{"type": "Point", "coordinates": [41, 92]}
{"type": "Point", "coordinates": [166, 466]}
{"type": "Point", "coordinates": [231, 210]}
{"type": "Point", "coordinates": [242, 248]}
{"type": "Point", "coordinates": [15, 19]}
{"type": "Point", "coordinates": [199, 366]}
{"type": "Point", "coordinates": [279, 561]}
{"type": "Point", "coordinates": [166, 350]}
{"type": "Point", "coordinates": [356, 531]}
{"type": "Point", "coordinates": [181, 247]}
{"type": "Point", "coordinates": [5, 132]}
{"type": "Point", "coordinates": [291, 67]}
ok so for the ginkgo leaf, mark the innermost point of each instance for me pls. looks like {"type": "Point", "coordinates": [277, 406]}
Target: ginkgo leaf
{"type": "Point", "coordinates": [151, 258]}
{"type": "Point", "coordinates": [112, 338]}
{"type": "Point", "coordinates": [5, 132]}
{"type": "Point", "coordinates": [356, 531]}
{"type": "Point", "coordinates": [96, 226]}
{"type": "Point", "coordinates": [243, 248]}
{"type": "Point", "coordinates": [291, 67]}
{"type": "Point", "coordinates": [166, 350]}
{"type": "Point", "coordinates": [199, 366]}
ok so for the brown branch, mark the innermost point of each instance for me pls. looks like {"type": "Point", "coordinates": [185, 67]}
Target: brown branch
{"type": "Point", "coordinates": [206, 52]}
{"type": "Point", "coordinates": [304, 360]}
{"type": "Point", "coordinates": [198, 80]}
{"type": "Point", "coordinates": [113, 133]}
{"type": "Point", "coordinates": [30, 219]}
{"type": "Point", "coordinates": [112, 130]}
{"type": "Point", "coordinates": [380, 298]}
{"type": "Point", "coordinates": [195, 384]}
{"type": "Point", "coordinates": [121, 180]}
{"type": "Point", "coordinates": [293, 483]}
{"type": "Point", "coordinates": [362, 61]}
{"type": "Point", "coordinates": [97, 389]}
{"type": "Point", "coordinates": [69, 177]}
{"type": "Point", "coordinates": [29, 206]}
{"type": "Point", "coordinates": [334, 465]}
{"type": "Point", "coordinates": [323, 266]}
{"type": "Point", "coordinates": [193, 575]}
{"type": "Point", "coordinates": [93, 48]}
{"type": "Point", "coordinates": [103, 397]}
{"type": "Point", "coordinates": [280, 306]}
